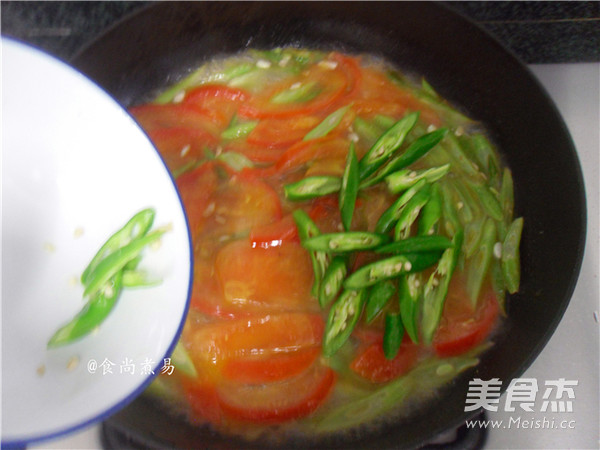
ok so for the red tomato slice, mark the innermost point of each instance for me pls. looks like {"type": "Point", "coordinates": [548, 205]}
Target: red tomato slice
{"type": "Point", "coordinates": [180, 146]}
{"type": "Point", "coordinates": [305, 151]}
{"type": "Point", "coordinates": [152, 117]}
{"type": "Point", "coordinates": [275, 234]}
{"type": "Point", "coordinates": [260, 369]}
{"type": "Point", "coordinates": [196, 189]}
{"type": "Point", "coordinates": [220, 101]}
{"type": "Point", "coordinates": [277, 277]}
{"type": "Point", "coordinates": [256, 153]}
{"type": "Point", "coordinates": [278, 402]}
{"type": "Point", "coordinates": [203, 400]}
{"type": "Point", "coordinates": [372, 364]}
{"type": "Point", "coordinates": [282, 333]}
{"type": "Point", "coordinates": [242, 203]}
{"type": "Point", "coordinates": [461, 328]}
{"type": "Point", "coordinates": [333, 82]}
{"type": "Point", "coordinates": [281, 133]}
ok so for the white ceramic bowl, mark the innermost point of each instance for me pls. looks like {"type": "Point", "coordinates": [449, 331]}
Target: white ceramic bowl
{"type": "Point", "coordinates": [75, 168]}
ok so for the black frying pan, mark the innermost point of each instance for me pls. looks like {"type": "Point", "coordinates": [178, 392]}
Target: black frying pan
{"type": "Point", "coordinates": [158, 44]}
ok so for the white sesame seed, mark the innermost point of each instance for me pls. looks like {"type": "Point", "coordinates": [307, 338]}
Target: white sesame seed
{"type": "Point", "coordinates": [296, 85]}
{"type": "Point", "coordinates": [459, 131]}
{"type": "Point", "coordinates": [78, 232]}
{"type": "Point", "coordinates": [354, 137]}
{"type": "Point", "coordinates": [220, 220]}
{"type": "Point", "coordinates": [407, 266]}
{"type": "Point", "coordinates": [209, 209]}
{"type": "Point", "coordinates": [263, 64]}
{"type": "Point", "coordinates": [460, 205]}
{"type": "Point", "coordinates": [431, 128]}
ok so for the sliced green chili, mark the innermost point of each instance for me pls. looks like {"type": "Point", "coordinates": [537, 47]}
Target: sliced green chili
{"type": "Point", "coordinates": [114, 262]}
{"type": "Point", "coordinates": [343, 317]}
{"type": "Point", "coordinates": [239, 130]}
{"type": "Point", "coordinates": [384, 269]}
{"type": "Point", "coordinates": [328, 124]}
{"type": "Point", "coordinates": [431, 213]}
{"type": "Point", "coordinates": [236, 161]}
{"type": "Point", "coordinates": [403, 179]}
{"type": "Point", "coordinates": [138, 278]}
{"type": "Point", "coordinates": [417, 244]}
{"type": "Point", "coordinates": [390, 216]}
{"type": "Point", "coordinates": [511, 263]}
{"type": "Point", "coordinates": [135, 228]}
{"type": "Point", "coordinates": [409, 288]}
{"type": "Point", "coordinates": [488, 200]}
{"type": "Point", "coordinates": [312, 187]}
{"type": "Point", "coordinates": [320, 260]}
{"type": "Point", "coordinates": [298, 93]}
{"type": "Point", "coordinates": [386, 145]}
{"type": "Point", "coordinates": [436, 289]}
{"type": "Point", "coordinates": [92, 314]}
{"type": "Point", "coordinates": [410, 212]}
{"type": "Point", "coordinates": [479, 264]}
{"type": "Point", "coordinates": [392, 335]}
{"type": "Point", "coordinates": [378, 296]}
{"type": "Point", "coordinates": [349, 189]}
{"type": "Point", "coordinates": [332, 280]}
{"type": "Point", "coordinates": [348, 241]}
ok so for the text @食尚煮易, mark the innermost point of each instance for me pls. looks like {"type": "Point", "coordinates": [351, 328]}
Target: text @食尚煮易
{"type": "Point", "coordinates": [128, 366]}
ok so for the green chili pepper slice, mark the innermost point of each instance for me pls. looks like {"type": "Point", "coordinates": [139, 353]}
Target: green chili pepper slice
{"type": "Point", "coordinates": [436, 289]}
{"type": "Point", "coordinates": [479, 264]}
{"type": "Point", "coordinates": [135, 228]}
{"type": "Point", "coordinates": [377, 298]}
{"type": "Point", "coordinates": [348, 241]}
{"type": "Point", "coordinates": [113, 263]}
{"type": "Point", "coordinates": [392, 335]}
{"type": "Point", "coordinates": [328, 124]}
{"type": "Point", "coordinates": [490, 203]}
{"type": "Point", "coordinates": [392, 267]}
{"type": "Point", "coordinates": [343, 317]}
{"type": "Point", "coordinates": [349, 189]}
{"type": "Point", "coordinates": [409, 292]}
{"type": "Point", "coordinates": [431, 213]}
{"type": "Point", "coordinates": [417, 244]}
{"type": "Point", "coordinates": [297, 94]}
{"type": "Point", "coordinates": [332, 280]}
{"type": "Point", "coordinates": [387, 144]}
{"type": "Point", "coordinates": [410, 212]}
{"type": "Point", "coordinates": [403, 179]}
{"type": "Point", "coordinates": [320, 260]}
{"type": "Point", "coordinates": [511, 264]}
{"type": "Point", "coordinates": [92, 314]}
{"type": "Point", "coordinates": [391, 215]}
{"type": "Point", "coordinates": [312, 187]}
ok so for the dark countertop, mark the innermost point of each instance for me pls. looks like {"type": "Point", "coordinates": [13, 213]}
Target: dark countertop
{"type": "Point", "coordinates": [536, 31]}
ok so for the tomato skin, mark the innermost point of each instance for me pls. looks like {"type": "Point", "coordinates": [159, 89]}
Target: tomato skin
{"type": "Point", "coordinates": [152, 117]}
{"type": "Point", "coordinates": [281, 133]}
{"type": "Point", "coordinates": [266, 334]}
{"type": "Point", "coordinates": [273, 403]}
{"type": "Point", "coordinates": [372, 364]}
{"type": "Point", "coordinates": [196, 189]}
{"type": "Point", "coordinates": [278, 278]}
{"type": "Point", "coordinates": [462, 329]}
{"type": "Point", "coordinates": [275, 234]}
{"type": "Point", "coordinates": [219, 101]}
{"type": "Point", "coordinates": [255, 370]}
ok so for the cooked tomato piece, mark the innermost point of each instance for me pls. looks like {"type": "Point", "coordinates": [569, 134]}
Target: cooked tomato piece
{"type": "Point", "coordinates": [275, 234]}
{"type": "Point", "coordinates": [306, 151]}
{"type": "Point", "coordinates": [268, 334]}
{"type": "Point", "coordinates": [261, 369]}
{"type": "Point", "coordinates": [372, 364]}
{"type": "Point", "coordinates": [332, 79]}
{"type": "Point", "coordinates": [461, 328]}
{"type": "Point", "coordinates": [244, 202]}
{"type": "Point", "coordinates": [203, 400]}
{"type": "Point", "coordinates": [152, 117]}
{"type": "Point", "coordinates": [221, 102]}
{"type": "Point", "coordinates": [279, 277]}
{"type": "Point", "coordinates": [281, 133]}
{"type": "Point", "coordinates": [255, 153]}
{"type": "Point", "coordinates": [181, 146]}
{"type": "Point", "coordinates": [277, 402]}
{"type": "Point", "coordinates": [196, 189]}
